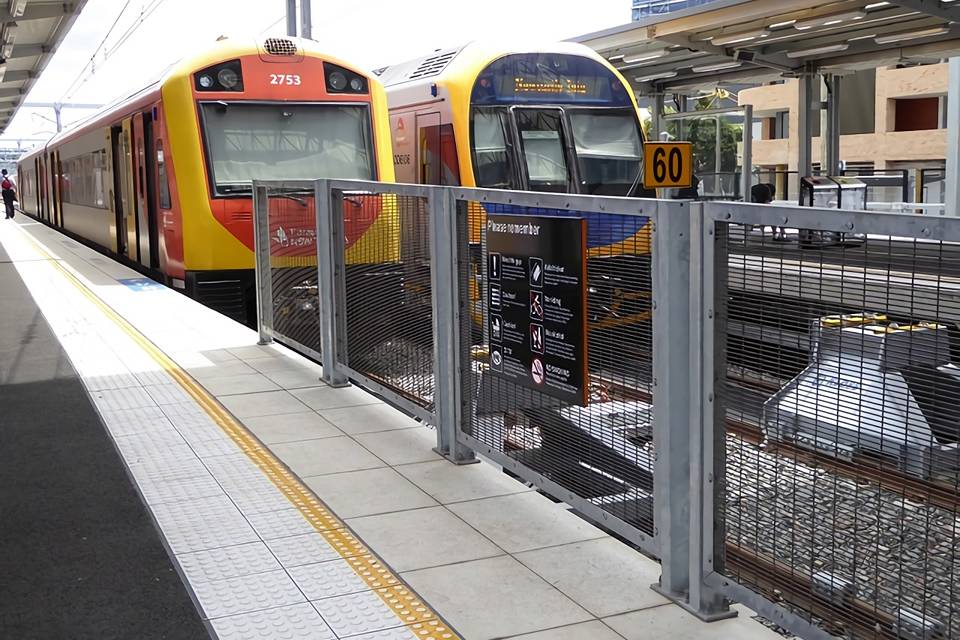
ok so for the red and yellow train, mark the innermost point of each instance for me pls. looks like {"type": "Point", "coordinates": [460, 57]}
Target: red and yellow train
{"type": "Point", "coordinates": [162, 179]}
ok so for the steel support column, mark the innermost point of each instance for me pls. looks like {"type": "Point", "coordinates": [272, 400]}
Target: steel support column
{"type": "Point", "coordinates": [707, 274]}
{"type": "Point", "coordinates": [262, 275]}
{"type": "Point", "coordinates": [671, 397]}
{"type": "Point", "coordinates": [306, 20]}
{"type": "Point", "coordinates": [952, 199]}
{"type": "Point", "coordinates": [746, 160]}
{"type": "Point", "coordinates": [445, 286]}
{"type": "Point", "coordinates": [292, 18]}
{"type": "Point", "coordinates": [830, 129]}
{"type": "Point", "coordinates": [804, 124]}
{"type": "Point", "coordinates": [330, 274]}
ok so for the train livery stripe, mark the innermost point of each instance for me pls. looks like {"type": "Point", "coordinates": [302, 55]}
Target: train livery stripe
{"type": "Point", "coordinates": [410, 610]}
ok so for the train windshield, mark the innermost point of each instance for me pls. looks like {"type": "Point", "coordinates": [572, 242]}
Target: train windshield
{"type": "Point", "coordinates": [285, 142]}
{"type": "Point", "coordinates": [554, 122]}
{"type": "Point", "coordinates": [608, 148]}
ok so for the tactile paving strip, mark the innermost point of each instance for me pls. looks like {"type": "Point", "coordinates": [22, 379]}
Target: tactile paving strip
{"type": "Point", "coordinates": [194, 525]}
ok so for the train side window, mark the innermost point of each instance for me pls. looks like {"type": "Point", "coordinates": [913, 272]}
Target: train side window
{"type": "Point", "coordinates": [163, 181]}
{"type": "Point", "coordinates": [439, 156]}
{"type": "Point", "coordinates": [491, 157]}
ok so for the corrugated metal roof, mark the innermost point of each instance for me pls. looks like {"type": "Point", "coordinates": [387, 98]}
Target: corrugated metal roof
{"type": "Point", "coordinates": [757, 40]}
{"type": "Point", "coordinates": [30, 33]}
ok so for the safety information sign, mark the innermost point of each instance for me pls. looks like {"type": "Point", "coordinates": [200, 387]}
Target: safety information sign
{"type": "Point", "coordinates": [536, 303]}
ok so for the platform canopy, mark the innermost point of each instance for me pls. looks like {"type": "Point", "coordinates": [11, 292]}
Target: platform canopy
{"type": "Point", "coordinates": [746, 41]}
{"type": "Point", "coordinates": [30, 31]}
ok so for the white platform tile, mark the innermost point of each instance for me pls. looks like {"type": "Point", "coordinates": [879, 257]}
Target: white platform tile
{"type": "Point", "coordinates": [116, 399]}
{"type": "Point", "coordinates": [170, 393]}
{"type": "Point", "coordinates": [129, 421]}
{"type": "Point", "coordinates": [255, 501]}
{"type": "Point", "coordinates": [209, 448]}
{"type": "Point", "coordinates": [149, 443]}
{"type": "Point", "coordinates": [280, 524]}
{"type": "Point", "coordinates": [157, 470]}
{"type": "Point", "coordinates": [357, 613]}
{"type": "Point", "coordinates": [162, 456]}
{"type": "Point", "coordinates": [201, 524]}
{"type": "Point", "coordinates": [153, 376]}
{"type": "Point", "coordinates": [228, 562]}
{"type": "Point", "coordinates": [327, 579]}
{"type": "Point", "coordinates": [246, 593]}
{"type": "Point", "coordinates": [99, 382]}
{"type": "Point", "coordinates": [178, 489]}
{"type": "Point", "coordinates": [296, 622]}
{"type": "Point", "coordinates": [305, 549]}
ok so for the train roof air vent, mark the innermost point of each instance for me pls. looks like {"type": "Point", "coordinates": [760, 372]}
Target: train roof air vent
{"type": "Point", "coordinates": [434, 64]}
{"type": "Point", "coordinates": [280, 47]}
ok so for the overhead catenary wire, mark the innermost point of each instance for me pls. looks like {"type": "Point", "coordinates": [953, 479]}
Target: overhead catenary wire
{"type": "Point", "coordinates": [113, 26]}
{"type": "Point", "coordinates": [145, 12]}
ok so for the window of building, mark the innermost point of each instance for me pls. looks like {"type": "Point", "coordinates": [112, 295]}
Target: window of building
{"type": "Point", "coordinates": [916, 114]}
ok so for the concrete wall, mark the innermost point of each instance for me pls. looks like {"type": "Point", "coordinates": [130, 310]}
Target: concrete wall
{"type": "Point", "coordinates": [882, 147]}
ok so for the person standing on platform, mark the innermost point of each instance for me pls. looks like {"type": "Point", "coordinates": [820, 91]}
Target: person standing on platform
{"type": "Point", "coordinates": [8, 192]}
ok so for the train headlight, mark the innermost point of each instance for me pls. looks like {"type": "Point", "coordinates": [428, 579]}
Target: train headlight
{"type": "Point", "coordinates": [338, 81]}
{"type": "Point", "coordinates": [228, 78]}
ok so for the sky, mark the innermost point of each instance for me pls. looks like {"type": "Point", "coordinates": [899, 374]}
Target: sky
{"type": "Point", "coordinates": [100, 61]}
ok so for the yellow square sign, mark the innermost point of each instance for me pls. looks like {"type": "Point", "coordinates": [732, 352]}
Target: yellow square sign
{"type": "Point", "coordinates": [667, 164]}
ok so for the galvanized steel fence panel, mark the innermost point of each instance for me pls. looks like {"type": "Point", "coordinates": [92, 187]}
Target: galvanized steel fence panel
{"type": "Point", "coordinates": [835, 425]}
{"type": "Point", "coordinates": [285, 230]}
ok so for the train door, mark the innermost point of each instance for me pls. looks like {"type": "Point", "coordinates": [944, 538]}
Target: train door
{"type": "Point", "coordinates": [119, 202]}
{"type": "Point", "coordinates": [38, 176]}
{"type": "Point", "coordinates": [429, 162]}
{"type": "Point", "coordinates": [42, 187]}
{"type": "Point", "coordinates": [146, 218]}
{"type": "Point", "coordinates": [124, 201]}
{"type": "Point", "coordinates": [57, 184]}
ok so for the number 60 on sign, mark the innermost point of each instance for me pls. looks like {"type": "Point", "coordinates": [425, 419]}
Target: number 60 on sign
{"type": "Point", "coordinates": [667, 164]}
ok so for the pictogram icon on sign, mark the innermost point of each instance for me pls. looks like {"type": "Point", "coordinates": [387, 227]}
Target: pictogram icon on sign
{"type": "Point", "coordinates": [536, 305]}
{"type": "Point", "coordinates": [496, 328]}
{"type": "Point", "coordinates": [536, 371]}
{"type": "Point", "coordinates": [494, 270]}
{"type": "Point", "coordinates": [495, 297]}
{"type": "Point", "coordinates": [496, 358]}
{"type": "Point", "coordinates": [536, 272]}
{"type": "Point", "coordinates": [536, 338]}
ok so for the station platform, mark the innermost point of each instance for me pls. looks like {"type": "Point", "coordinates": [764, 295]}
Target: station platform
{"type": "Point", "coordinates": [281, 507]}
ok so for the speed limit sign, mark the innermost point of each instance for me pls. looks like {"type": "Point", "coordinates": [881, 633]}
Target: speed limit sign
{"type": "Point", "coordinates": [667, 164]}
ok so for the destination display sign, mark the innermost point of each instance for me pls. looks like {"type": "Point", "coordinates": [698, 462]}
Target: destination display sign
{"type": "Point", "coordinates": [536, 303]}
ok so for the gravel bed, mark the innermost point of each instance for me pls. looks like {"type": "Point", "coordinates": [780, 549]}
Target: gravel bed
{"type": "Point", "coordinates": [896, 552]}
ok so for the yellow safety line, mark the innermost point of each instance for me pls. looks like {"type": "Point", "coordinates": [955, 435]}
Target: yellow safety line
{"type": "Point", "coordinates": [402, 600]}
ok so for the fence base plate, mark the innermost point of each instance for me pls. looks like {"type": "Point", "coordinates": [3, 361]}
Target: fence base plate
{"type": "Point", "coordinates": [456, 459]}
{"type": "Point", "coordinates": [681, 601]}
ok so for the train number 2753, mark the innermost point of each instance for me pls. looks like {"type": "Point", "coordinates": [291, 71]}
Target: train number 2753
{"type": "Point", "coordinates": [284, 78]}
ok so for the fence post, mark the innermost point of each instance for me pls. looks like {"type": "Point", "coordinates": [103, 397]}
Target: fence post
{"type": "Point", "coordinates": [445, 284]}
{"type": "Point", "coordinates": [329, 272]}
{"type": "Point", "coordinates": [262, 275]}
{"type": "Point", "coordinates": [671, 396]}
{"type": "Point", "coordinates": [703, 600]}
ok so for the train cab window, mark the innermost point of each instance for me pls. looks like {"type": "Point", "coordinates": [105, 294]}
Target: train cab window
{"type": "Point", "coordinates": [285, 141]}
{"type": "Point", "coordinates": [609, 150]}
{"type": "Point", "coordinates": [543, 147]}
{"type": "Point", "coordinates": [163, 180]}
{"type": "Point", "coordinates": [438, 153]}
{"type": "Point", "coordinates": [490, 153]}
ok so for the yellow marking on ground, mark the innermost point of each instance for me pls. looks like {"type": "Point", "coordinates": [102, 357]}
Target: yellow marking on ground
{"type": "Point", "coordinates": [405, 604]}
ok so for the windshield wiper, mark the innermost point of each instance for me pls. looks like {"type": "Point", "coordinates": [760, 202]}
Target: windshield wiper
{"type": "Point", "coordinates": [234, 188]}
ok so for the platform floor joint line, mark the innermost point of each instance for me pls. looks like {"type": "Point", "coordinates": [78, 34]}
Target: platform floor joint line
{"type": "Point", "coordinates": [410, 610]}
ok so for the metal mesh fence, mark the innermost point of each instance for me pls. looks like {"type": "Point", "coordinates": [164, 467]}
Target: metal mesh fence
{"type": "Point", "coordinates": [292, 228]}
{"type": "Point", "coordinates": [594, 452]}
{"type": "Point", "coordinates": [842, 415]}
{"type": "Point", "coordinates": [387, 292]}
